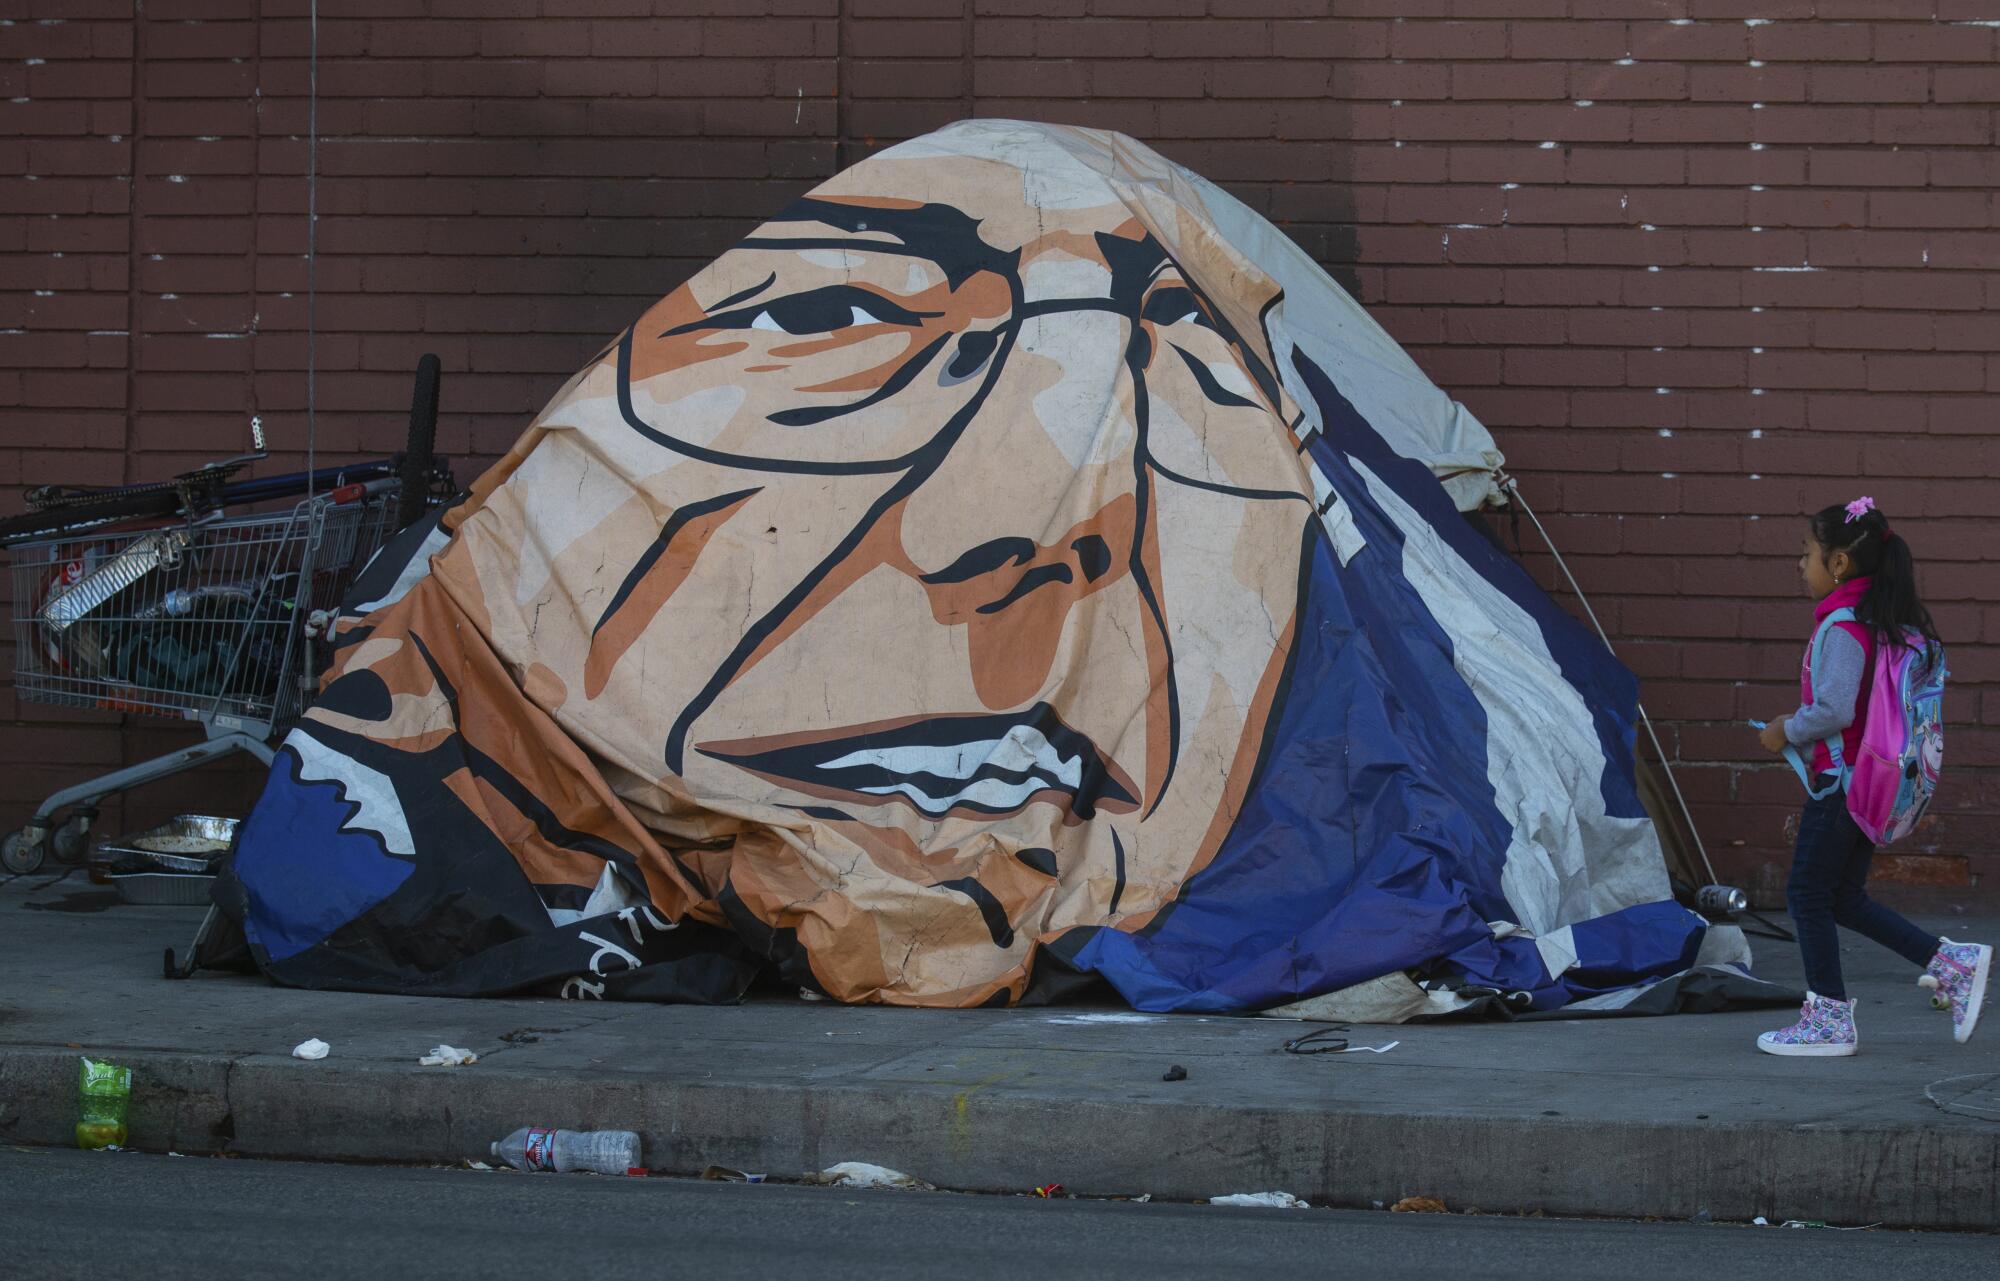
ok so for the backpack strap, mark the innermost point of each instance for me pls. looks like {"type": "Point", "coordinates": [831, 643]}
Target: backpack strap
{"type": "Point", "coordinates": [1799, 767]}
{"type": "Point", "coordinates": [1841, 769]}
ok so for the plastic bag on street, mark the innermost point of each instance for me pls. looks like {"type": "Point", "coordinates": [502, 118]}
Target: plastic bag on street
{"type": "Point", "coordinates": [860, 1174]}
{"type": "Point", "coordinates": [1276, 1200]}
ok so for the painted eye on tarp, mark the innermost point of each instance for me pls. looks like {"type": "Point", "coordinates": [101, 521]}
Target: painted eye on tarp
{"type": "Point", "coordinates": [1174, 305]}
{"type": "Point", "coordinates": [817, 311]}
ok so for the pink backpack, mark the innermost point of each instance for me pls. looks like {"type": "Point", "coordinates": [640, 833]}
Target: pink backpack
{"type": "Point", "coordinates": [1891, 784]}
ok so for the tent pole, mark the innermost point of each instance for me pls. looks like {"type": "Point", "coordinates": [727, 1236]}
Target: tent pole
{"type": "Point", "coordinates": [1513, 490]}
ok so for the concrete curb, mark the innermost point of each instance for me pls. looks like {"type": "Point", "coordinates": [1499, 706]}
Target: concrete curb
{"type": "Point", "coordinates": [268, 1106]}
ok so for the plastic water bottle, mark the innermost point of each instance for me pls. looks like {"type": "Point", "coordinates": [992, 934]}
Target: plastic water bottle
{"type": "Point", "coordinates": [103, 1091]}
{"type": "Point", "coordinates": [179, 602]}
{"type": "Point", "coordinates": [596, 1151]}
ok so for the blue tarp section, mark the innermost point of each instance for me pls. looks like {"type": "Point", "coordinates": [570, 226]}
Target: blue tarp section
{"type": "Point", "coordinates": [1370, 842]}
{"type": "Point", "coordinates": [305, 875]}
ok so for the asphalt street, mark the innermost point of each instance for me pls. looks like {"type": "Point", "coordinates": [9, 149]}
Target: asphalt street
{"type": "Point", "coordinates": [80, 1214]}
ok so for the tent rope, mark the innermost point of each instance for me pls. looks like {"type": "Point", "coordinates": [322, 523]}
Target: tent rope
{"type": "Point", "coordinates": [1513, 491]}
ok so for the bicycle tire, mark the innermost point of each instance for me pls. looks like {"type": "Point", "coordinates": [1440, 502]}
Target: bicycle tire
{"type": "Point", "coordinates": [161, 501]}
{"type": "Point", "coordinates": [42, 524]}
{"type": "Point", "coordinates": [421, 445]}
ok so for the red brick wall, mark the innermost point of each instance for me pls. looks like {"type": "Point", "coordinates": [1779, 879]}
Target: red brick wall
{"type": "Point", "coordinates": [1700, 264]}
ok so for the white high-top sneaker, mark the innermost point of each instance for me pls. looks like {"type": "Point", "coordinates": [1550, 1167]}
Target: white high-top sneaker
{"type": "Point", "coordinates": [1825, 1030]}
{"type": "Point", "coordinates": [1956, 978]}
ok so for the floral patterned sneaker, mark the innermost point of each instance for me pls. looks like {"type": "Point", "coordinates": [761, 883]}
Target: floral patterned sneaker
{"type": "Point", "coordinates": [1825, 1030]}
{"type": "Point", "coordinates": [1956, 979]}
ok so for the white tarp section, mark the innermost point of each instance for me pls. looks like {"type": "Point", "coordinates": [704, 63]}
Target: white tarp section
{"type": "Point", "coordinates": [1378, 376]}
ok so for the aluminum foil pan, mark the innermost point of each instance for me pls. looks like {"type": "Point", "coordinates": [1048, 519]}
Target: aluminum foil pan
{"type": "Point", "coordinates": [184, 843]}
{"type": "Point", "coordinates": [160, 549]}
{"type": "Point", "coordinates": [163, 889]}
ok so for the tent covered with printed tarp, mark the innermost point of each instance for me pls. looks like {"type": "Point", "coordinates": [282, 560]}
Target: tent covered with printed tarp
{"type": "Point", "coordinates": [1015, 564]}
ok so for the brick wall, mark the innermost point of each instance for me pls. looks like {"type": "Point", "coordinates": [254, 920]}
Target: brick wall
{"type": "Point", "coordinates": [1700, 264]}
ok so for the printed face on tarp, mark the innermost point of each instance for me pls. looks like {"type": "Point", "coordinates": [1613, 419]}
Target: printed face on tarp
{"type": "Point", "coordinates": [941, 593]}
{"type": "Point", "coordinates": [927, 566]}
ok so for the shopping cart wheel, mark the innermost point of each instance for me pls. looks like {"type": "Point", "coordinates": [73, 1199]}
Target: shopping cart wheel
{"type": "Point", "coordinates": [71, 843]}
{"type": "Point", "coordinates": [23, 851]}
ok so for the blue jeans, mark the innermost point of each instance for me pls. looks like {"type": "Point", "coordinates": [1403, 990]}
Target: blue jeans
{"type": "Point", "coordinates": [1829, 887]}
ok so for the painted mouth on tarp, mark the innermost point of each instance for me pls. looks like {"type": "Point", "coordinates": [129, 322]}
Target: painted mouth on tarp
{"type": "Point", "coordinates": [985, 764]}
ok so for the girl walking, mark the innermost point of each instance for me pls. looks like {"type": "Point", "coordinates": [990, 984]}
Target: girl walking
{"type": "Point", "coordinates": [1852, 560]}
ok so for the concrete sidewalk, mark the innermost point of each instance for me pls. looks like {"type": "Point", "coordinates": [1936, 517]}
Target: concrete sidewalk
{"type": "Point", "coordinates": [1639, 1117]}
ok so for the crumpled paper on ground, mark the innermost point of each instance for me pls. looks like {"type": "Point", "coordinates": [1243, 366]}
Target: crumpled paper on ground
{"type": "Point", "coordinates": [448, 1056]}
{"type": "Point", "coordinates": [311, 1048]}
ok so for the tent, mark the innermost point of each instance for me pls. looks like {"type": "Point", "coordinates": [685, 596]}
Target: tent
{"type": "Point", "coordinates": [1013, 566]}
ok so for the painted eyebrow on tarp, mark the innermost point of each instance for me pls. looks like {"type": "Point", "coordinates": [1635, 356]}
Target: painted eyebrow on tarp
{"type": "Point", "coordinates": [1135, 264]}
{"type": "Point", "coordinates": [946, 236]}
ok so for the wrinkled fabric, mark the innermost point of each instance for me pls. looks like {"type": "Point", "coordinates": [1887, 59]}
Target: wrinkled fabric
{"type": "Point", "coordinates": [1012, 557]}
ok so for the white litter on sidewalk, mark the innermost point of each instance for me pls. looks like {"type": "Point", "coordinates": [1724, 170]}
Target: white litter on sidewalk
{"type": "Point", "coordinates": [311, 1048]}
{"type": "Point", "coordinates": [1275, 1200]}
{"type": "Point", "coordinates": [860, 1174]}
{"type": "Point", "coordinates": [448, 1056]}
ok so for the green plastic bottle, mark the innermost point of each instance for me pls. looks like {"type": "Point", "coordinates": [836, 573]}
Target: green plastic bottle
{"type": "Point", "coordinates": [103, 1092]}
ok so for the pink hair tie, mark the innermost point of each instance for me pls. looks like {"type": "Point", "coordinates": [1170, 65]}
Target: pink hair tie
{"type": "Point", "coordinates": [1858, 508]}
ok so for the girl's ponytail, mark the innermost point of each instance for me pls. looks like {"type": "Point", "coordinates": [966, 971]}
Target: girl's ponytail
{"type": "Point", "coordinates": [1891, 603]}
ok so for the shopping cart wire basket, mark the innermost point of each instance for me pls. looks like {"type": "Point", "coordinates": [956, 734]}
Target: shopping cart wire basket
{"type": "Point", "coordinates": [214, 620]}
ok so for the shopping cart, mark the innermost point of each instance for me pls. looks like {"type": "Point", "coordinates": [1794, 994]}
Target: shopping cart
{"type": "Point", "coordinates": [215, 620]}
{"type": "Point", "coordinates": [204, 598]}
